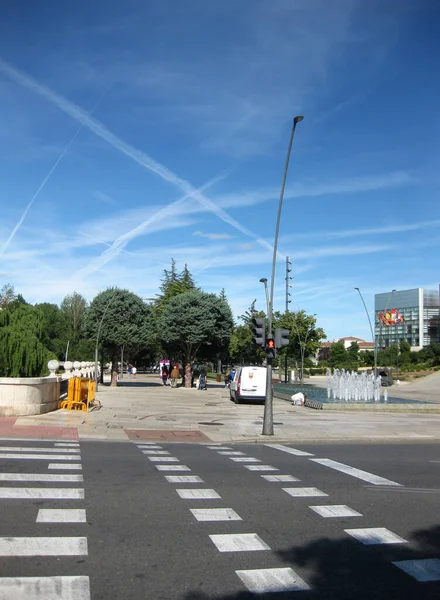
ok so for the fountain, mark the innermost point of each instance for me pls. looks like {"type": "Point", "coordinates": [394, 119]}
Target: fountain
{"type": "Point", "coordinates": [353, 387]}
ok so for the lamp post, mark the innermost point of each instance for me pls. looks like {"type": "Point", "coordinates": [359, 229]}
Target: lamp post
{"type": "Point", "coordinates": [268, 405]}
{"type": "Point", "coordinates": [371, 329]}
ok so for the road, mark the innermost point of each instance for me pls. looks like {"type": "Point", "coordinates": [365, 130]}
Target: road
{"type": "Point", "coordinates": [100, 520]}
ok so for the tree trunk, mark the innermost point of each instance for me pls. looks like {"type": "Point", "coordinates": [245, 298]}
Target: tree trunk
{"type": "Point", "coordinates": [188, 374]}
{"type": "Point", "coordinates": [115, 357]}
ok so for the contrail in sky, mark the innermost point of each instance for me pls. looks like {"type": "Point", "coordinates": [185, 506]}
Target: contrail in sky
{"type": "Point", "coordinates": [121, 241]}
{"type": "Point", "coordinates": [140, 157]}
{"type": "Point", "coordinates": [46, 179]}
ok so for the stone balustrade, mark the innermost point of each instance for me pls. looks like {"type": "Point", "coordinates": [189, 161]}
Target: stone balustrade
{"type": "Point", "coordinates": [21, 396]}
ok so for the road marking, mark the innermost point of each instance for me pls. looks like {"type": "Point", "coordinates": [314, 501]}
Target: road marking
{"type": "Point", "coordinates": [16, 493]}
{"type": "Point", "coordinates": [33, 449]}
{"type": "Point", "coordinates": [289, 450]}
{"type": "Point", "coordinates": [261, 581]}
{"type": "Point", "coordinates": [239, 542]}
{"type": "Point", "coordinates": [67, 444]}
{"type": "Point", "coordinates": [45, 588]}
{"type": "Point", "coordinates": [66, 467]}
{"type": "Point", "coordinates": [150, 447]}
{"type": "Point", "coordinates": [43, 546]}
{"type": "Point", "coordinates": [434, 461]}
{"type": "Point", "coordinates": [335, 510]}
{"type": "Point", "coordinates": [375, 535]}
{"type": "Point", "coordinates": [404, 489]}
{"type": "Point", "coordinates": [41, 456]}
{"type": "Point", "coordinates": [260, 468]}
{"type": "Point", "coordinates": [305, 492]}
{"type": "Point", "coordinates": [425, 569]}
{"type": "Point", "coordinates": [280, 478]}
{"type": "Point", "coordinates": [232, 453]}
{"type": "Point", "coordinates": [215, 514]}
{"type": "Point", "coordinates": [184, 479]}
{"type": "Point", "coordinates": [62, 515]}
{"type": "Point", "coordinates": [153, 452]}
{"type": "Point", "coordinates": [40, 477]}
{"type": "Point", "coordinates": [244, 459]}
{"type": "Point", "coordinates": [164, 459]}
{"type": "Point", "coordinates": [358, 473]}
{"type": "Point", "coordinates": [172, 468]}
{"type": "Point", "coordinates": [198, 494]}
{"type": "Point", "coordinates": [219, 448]}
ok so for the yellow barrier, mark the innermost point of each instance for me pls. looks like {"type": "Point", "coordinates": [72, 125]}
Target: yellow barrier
{"type": "Point", "coordinates": [80, 394]}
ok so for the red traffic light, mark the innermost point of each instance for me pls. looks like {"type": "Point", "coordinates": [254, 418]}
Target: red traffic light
{"type": "Point", "coordinates": [270, 344]}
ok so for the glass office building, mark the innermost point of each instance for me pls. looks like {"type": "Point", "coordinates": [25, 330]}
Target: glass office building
{"type": "Point", "coordinates": [420, 311]}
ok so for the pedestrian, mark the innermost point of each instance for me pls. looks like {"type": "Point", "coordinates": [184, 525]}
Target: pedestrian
{"type": "Point", "coordinates": [227, 382]}
{"type": "Point", "coordinates": [231, 376]}
{"type": "Point", "coordinates": [298, 399]}
{"type": "Point", "coordinates": [202, 381]}
{"type": "Point", "coordinates": [129, 370]}
{"type": "Point", "coordinates": [174, 376]}
{"type": "Point", "coordinates": [164, 374]}
{"type": "Point", "coordinates": [133, 371]}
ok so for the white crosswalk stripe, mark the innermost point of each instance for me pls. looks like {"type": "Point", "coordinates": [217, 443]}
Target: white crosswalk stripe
{"type": "Point", "coordinates": [45, 588]}
{"type": "Point", "coordinates": [40, 477]}
{"type": "Point", "coordinates": [38, 449]}
{"type": "Point", "coordinates": [43, 546]}
{"type": "Point", "coordinates": [66, 587]}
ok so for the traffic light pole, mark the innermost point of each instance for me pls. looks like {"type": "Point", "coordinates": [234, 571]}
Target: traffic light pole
{"type": "Point", "coordinates": [268, 406]}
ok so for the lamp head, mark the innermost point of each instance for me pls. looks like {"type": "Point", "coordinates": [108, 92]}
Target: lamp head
{"type": "Point", "coordinates": [356, 289]}
{"type": "Point", "coordinates": [263, 280]}
{"type": "Point", "coordinates": [297, 119]}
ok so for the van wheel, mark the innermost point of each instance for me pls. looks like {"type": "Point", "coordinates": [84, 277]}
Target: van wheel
{"type": "Point", "coordinates": [236, 400]}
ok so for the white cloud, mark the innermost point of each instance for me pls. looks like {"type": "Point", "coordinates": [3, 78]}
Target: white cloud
{"type": "Point", "coordinates": [213, 236]}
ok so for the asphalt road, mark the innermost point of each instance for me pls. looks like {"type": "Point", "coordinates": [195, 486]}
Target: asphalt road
{"type": "Point", "coordinates": [137, 536]}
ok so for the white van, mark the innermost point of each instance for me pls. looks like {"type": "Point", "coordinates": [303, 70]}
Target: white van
{"type": "Point", "coordinates": [249, 383]}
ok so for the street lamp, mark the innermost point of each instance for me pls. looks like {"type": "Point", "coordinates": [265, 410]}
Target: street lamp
{"type": "Point", "coordinates": [264, 281]}
{"type": "Point", "coordinates": [268, 405]}
{"type": "Point", "coordinates": [371, 329]}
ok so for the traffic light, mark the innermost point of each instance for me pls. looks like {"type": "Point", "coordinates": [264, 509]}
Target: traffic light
{"type": "Point", "coordinates": [270, 348]}
{"type": "Point", "coordinates": [281, 337]}
{"type": "Point", "coordinates": [259, 331]}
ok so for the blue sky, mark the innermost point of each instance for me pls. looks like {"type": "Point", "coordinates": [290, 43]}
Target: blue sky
{"type": "Point", "coordinates": [137, 131]}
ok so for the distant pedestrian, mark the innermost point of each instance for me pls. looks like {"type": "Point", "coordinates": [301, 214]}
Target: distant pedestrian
{"type": "Point", "coordinates": [174, 376]}
{"type": "Point", "coordinates": [133, 371]}
{"type": "Point", "coordinates": [164, 374]}
{"type": "Point", "coordinates": [227, 381]}
{"type": "Point", "coordinates": [202, 382]}
{"type": "Point", "coordinates": [129, 370]}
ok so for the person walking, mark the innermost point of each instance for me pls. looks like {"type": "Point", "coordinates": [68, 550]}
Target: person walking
{"type": "Point", "coordinates": [174, 376]}
{"type": "Point", "coordinates": [164, 374]}
{"type": "Point", "coordinates": [133, 371]}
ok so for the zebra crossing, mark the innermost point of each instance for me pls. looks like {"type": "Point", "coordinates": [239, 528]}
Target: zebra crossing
{"type": "Point", "coordinates": [266, 580]}
{"type": "Point", "coordinates": [269, 580]}
{"type": "Point", "coordinates": [28, 482]}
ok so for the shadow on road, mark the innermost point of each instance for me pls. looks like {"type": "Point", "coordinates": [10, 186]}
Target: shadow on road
{"type": "Point", "coordinates": [345, 569]}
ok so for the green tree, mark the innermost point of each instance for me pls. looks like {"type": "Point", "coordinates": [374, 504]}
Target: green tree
{"type": "Point", "coordinates": [125, 320]}
{"type": "Point", "coordinates": [73, 306]}
{"type": "Point", "coordinates": [173, 284]}
{"type": "Point", "coordinates": [337, 356]}
{"type": "Point", "coordinates": [7, 295]}
{"type": "Point", "coordinates": [353, 356]}
{"type": "Point", "coordinates": [192, 319]}
{"type": "Point", "coordinates": [304, 338]}
{"type": "Point", "coordinates": [22, 349]}
{"type": "Point", "coordinates": [242, 348]}
{"type": "Point", "coordinates": [54, 328]}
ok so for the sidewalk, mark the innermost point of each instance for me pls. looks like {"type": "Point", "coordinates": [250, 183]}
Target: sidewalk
{"type": "Point", "coordinates": [144, 409]}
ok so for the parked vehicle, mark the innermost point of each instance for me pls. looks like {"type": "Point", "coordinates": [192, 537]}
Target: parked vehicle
{"type": "Point", "coordinates": [249, 383]}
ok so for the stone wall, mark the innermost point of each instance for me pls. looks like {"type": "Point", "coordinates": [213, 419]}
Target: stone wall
{"type": "Point", "coordinates": [28, 395]}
